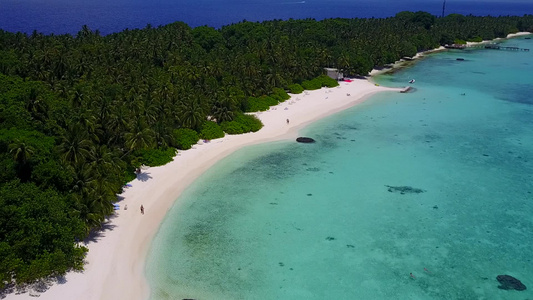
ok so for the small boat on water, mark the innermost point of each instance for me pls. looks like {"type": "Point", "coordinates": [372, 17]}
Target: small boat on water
{"type": "Point", "coordinates": [412, 81]}
{"type": "Point", "coordinates": [460, 59]}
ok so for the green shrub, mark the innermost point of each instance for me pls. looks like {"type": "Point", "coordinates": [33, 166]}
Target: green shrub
{"type": "Point", "coordinates": [39, 241]}
{"type": "Point", "coordinates": [250, 122]}
{"type": "Point", "coordinates": [265, 102]}
{"type": "Point", "coordinates": [477, 39]}
{"type": "Point", "coordinates": [260, 103]}
{"type": "Point", "coordinates": [280, 95]}
{"type": "Point", "coordinates": [459, 42]}
{"type": "Point", "coordinates": [310, 85]}
{"type": "Point", "coordinates": [296, 88]}
{"type": "Point", "coordinates": [255, 104]}
{"type": "Point", "coordinates": [129, 174]}
{"type": "Point", "coordinates": [50, 173]}
{"type": "Point", "coordinates": [156, 157]}
{"type": "Point", "coordinates": [241, 124]}
{"type": "Point", "coordinates": [232, 127]}
{"type": "Point", "coordinates": [184, 138]}
{"type": "Point", "coordinates": [327, 81]}
{"type": "Point", "coordinates": [319, 82]}
{"type": "Point", "coordinates": [210, 131]}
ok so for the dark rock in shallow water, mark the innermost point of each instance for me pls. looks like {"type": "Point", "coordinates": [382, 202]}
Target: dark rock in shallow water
{"type": "Point", "coordinates": [404, 189]}
{"type": "Point", "coordinates": [510, 283]}
{"type": "Point", "coordinates": [305, 140]}
{"type": "Point", "coordinates": [460, 59]}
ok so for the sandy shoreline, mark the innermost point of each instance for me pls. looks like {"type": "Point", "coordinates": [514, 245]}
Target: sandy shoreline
{"type": "Point", "coordinates": [116, 260]}
{"type": "Point", "coordinates": [402, 63]}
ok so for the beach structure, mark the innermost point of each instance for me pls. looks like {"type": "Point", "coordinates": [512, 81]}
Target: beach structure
{"type": "Point", "coordinates": [334, 73]}
{"type": "Point", "coordinates": [405, 89]}
{"type": "Point", "coordinates": [455, 46]}
{"type": "Point", "coordinates": [492, 46]}
{"type": "Point", "coordinates": [498, 47]}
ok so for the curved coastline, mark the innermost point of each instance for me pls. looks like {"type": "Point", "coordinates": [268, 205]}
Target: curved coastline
{"type": "Point", "coordinates": [301, 110]}
{"type": "Point", "coordinates": [404, 63]}
{"type": "Point", "coordinates": [117, 255]}
{"type": "Point", "coordinates": [116, 260]}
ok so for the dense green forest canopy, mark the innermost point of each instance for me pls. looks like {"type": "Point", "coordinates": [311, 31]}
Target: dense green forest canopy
{"type": "Point", "coordinates": [79, 113]}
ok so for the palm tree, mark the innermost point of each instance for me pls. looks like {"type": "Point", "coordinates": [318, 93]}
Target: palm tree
{"type": "Point", "coordinates": [60, 67]}
{"type": "Point", "coordinates": [223, 110]}
{"type": "Point", "coordinates": [75, 146]}
{"type": "Point", "coordinates": [139, 137]}
{"type": "Point", "coordinates": [104, 162]}
{"type": "Point", "coordinates": [343, 63]}
{"type": "Point", "coordinates": [78, 97]}
{"type": "Point", "coordinates": [83, 179]}
{"type": "Point", "coordinates": [94, 198]}
{"type": "Point", "coordinates": [20, 151]}
{"type": "Point", "coordinates": [116, 124]}
{"type": "Point", "coordinates": [37, 107]}
{"type": "Point", "coordinates": [91, 220]}
{"type": "Point", "coordinates": [162, 135]}
{"type": "Point", "coordinates": [85, 32]}
{"type": "Point", "coordinates": [101, 198]}
{"type": "Point", "coordinates": [192, 114]}
{"type": "Point", "coordinates": [273, 79]}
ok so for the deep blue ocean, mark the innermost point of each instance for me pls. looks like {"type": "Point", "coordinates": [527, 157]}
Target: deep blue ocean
{"type": "Point", "coordinates": [67, 16]}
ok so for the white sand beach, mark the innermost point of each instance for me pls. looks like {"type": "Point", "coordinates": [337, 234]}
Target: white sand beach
{"type": "Point", "coordinates": [401, 63]}
{"type": "Point", "coordinates": [116, 258]}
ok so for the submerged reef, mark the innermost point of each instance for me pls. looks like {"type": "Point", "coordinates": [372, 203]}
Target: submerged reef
{"type": "Point", "coordinates": [508, 282]}
{"type": "Point", "coordinates": [404, 189]}
{"type": "Point", "coordinates": [305, 140]}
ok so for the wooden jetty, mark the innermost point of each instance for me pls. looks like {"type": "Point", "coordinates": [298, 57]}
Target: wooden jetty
{"type": "Point", "coordinates": [498, 47]}
{"type": "Point", "coordinates": [405, 89]}
{"type": "Point", "coordinates": [491, 46]}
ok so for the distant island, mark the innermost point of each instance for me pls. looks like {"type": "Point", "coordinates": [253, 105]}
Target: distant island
{"type": "Point", "coordinates": [80, 115]}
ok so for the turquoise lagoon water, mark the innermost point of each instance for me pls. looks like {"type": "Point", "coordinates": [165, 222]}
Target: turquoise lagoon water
{"type": "Point", "coordinates": [293, 221]}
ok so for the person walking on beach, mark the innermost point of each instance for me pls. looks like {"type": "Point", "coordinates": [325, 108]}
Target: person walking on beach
{"type": "Point", "coordinates": [142, 209]}
{"type": "Point", "coordinates": [287, 121]}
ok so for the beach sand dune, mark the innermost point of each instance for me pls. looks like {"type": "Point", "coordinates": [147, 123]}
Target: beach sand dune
{"type": "Point", "coordinates": [117, 254]}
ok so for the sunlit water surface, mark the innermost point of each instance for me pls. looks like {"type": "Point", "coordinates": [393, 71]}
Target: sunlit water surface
{"type": "Point", "coordinates": [68, 16]}
{"type": "Point", "coordinates": [325, 221]}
